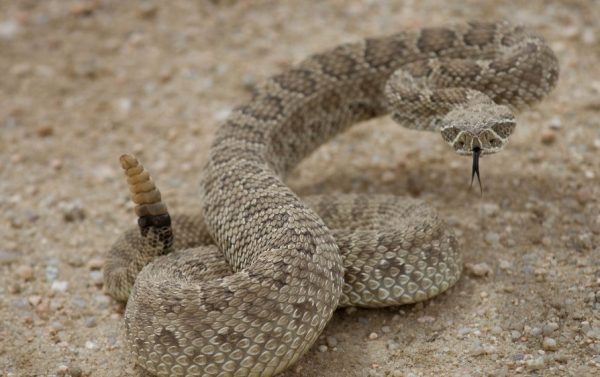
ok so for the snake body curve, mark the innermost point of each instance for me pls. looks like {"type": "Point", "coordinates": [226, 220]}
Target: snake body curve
{"type": "Point", "coordinates": [290, 262]}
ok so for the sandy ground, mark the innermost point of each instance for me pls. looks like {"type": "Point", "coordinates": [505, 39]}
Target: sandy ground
{"type": "Point", "coordinates": [82, 82]}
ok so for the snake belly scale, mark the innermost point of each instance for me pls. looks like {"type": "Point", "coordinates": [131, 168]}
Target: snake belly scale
{"type": "Point", "coordinates": [246, 287]}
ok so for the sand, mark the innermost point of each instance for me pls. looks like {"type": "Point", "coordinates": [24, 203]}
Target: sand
{"type": "Point", "coordinates": [83, 81]}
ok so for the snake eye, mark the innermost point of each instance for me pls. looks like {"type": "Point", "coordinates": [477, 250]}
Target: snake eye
{"type": "Point", "coordinates": [495, 142]}
{"type": "Point", "coordinates": [460, 144]}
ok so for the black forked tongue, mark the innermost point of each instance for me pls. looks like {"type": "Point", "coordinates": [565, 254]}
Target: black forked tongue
{"type": "Point", "coordinates": [475, 170]}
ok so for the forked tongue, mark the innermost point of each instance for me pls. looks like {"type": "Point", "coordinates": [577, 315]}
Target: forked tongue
{"type": "Point", "coordinates": [475, 170]}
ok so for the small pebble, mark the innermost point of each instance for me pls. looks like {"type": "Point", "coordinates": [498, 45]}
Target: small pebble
{"type": "Point", "coordinates": [555, 123]}
{"type": "Point", "coordinates": [43, 308]}
{"type": "Point", "coordinates": [426, 319]}
{"type": "Point", "coordinates": [593, 333]}
{"type": "Point", "coordinates": [97, 278]}
{"type": "Point", "coordinates": [15, 288]}
{"type": "Point", "coordinates": [147, 10]}
{"type": "Point", "coordinates": [44, 131]}
{"type": "Point", "coordinates": [124, 105]}
{"type": "Point", "coordinates": [75, 371]}
{"type": "Point", "coordinates": [490, 209]}
{"type": "Point", "coordinates": [21, 69]}
{"type": "Point", "coordinates": [21, 303]}
{"type": "Point", "coordinates": [95, 264]}
{"type": "Point", "coordinates": [492, 238]}
{"type": "Point", "coordinates": [388, 176]}
{"type": "Point", "coordinates": [56, 164]}
{"type": "Point", "coordinates": [386, 329]}
{"type": "Point", "coordinates": [323, 348]}
{"type": "Point", "coordinates": [62, 370]}
{"type": "Point", "coordinates": [56, 326]}
{"type": "Point", "coordinates": [515, 335]}
{"type": "Point", "coordinates": [350, 310]}
{"type": "Point", "coordinates": [477, 349]}
{"type": "Point", "coordinates": [91, 345]}
{"type": "Point", "coordinates": [549, 344]}
{"type": "Point", "coordinates": [83, 8]}
{"type": "Point", "coordinates": [392, 345]}
{"type": "Point", "coordinates": [517, 357]}
{"type": "Point", "coordinates": [8, 257]}
{"type": "Point", "coordinates": [541, 274]}
{"type": "Point", "coordinates": [584, 196]}
{"type": "Point", "coordinates": [27, 319]}
{"type": "Point", "coordinates": [548, 137]}
{"type": "Point", "coordinates": [331, 341]}
{"type": "Point", "coordinates": [588, 36]}
{"type": "Point", "coordinates": [72, 211]}
{"type": "Point", "coordinates": [221, 115]}
{"type": "Point", "coordinates": [373, 336]}
{"type": "Point", "coordinates": [25, 272]}
{"type": "Point", "coordinates": [102, 301]}
{"type": "Point", "coordinates": [535, 332]}
{"type": "Point", "coordinates": [59, 286]}
{"type": "Point", "coordinates": [505, 265]}
{"type": "Point", "coordinates": [9, 29]}
{"type": "Point", "coordinates": [249, 82]}
{"type": "Point", "coordinates": [375, 373]}
{"type": "Point", "coordinates": [535, 364]}
{"type": "Point", "coordinates": [561, 357]}
{"type": "Point", "coordinates": [478, 269]}
{"type": "Point", "coordinates": [51, 273]}
{"type": "Point", "coordinates": [90, 322]}
{"type": "Point", "coordinates": [78, 302]}
{"type": "Point", "coordinates": [502, 372]}
{"type": "Point", "coordinates": [549, 328]}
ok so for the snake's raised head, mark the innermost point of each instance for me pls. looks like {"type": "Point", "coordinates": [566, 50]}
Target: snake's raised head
{"type": "Point", "coordinates": [484, 126]}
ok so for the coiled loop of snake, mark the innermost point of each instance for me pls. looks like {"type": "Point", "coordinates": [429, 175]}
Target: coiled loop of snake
{"type": "Point", "coordinates": [281, 271]}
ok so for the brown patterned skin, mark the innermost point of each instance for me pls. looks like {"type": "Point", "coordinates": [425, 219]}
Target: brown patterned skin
{"type": "Point", "coordinates": [289, 262]}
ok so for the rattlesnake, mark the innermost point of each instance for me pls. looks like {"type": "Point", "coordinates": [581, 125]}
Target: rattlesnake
{"type": "Point", "coordinates": [258, 309]}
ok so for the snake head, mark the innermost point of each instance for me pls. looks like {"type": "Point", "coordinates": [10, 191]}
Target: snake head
{"type": "Point", "coordinates": [483, 127]}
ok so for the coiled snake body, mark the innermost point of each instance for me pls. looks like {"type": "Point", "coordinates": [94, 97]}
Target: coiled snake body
{"type": "Point", "coordinates": [290, 262]}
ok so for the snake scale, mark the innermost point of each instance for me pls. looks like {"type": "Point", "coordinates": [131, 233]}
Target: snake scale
{"type": "Point", "coordinates": [246, 287]}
